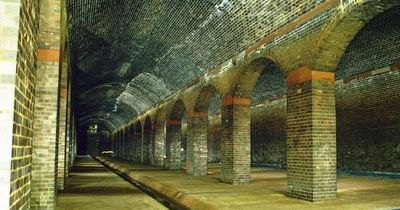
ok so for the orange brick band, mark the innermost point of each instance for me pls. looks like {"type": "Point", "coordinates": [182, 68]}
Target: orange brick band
{"type": "Point", "coordinates": [197, 114]}
{"type": "Point", "coordinates": [174, 122]}
{"type": "Point", "coordinates": [63, 92]}
{"type": "Point", "coordinates": [304, 74]}
{"type": "Point", "coordinates": [157, 126]}
{"type": "Point", "coordinates": [48, 55]}
{"type": "Point", "coordinates": [234, 100]}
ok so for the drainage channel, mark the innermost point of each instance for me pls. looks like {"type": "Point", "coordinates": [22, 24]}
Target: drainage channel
{"type": "Point", "coordinates": [156, 196]}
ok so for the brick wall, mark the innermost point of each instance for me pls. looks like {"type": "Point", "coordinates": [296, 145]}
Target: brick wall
{"type": "Point", "coordinates": [368, 129]}
{"type": "Point", "coordinates": [17, 78]}
{"type": "Point", "coordinates": [268, 133]}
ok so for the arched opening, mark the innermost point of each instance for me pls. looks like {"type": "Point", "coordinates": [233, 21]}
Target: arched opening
{"type": "Point", "coordinates": [236, 129]}
{"type": "Point", "coordinates": [137, 143]}
{"type": "Point", "coordinates": [206, 124]}
{"type": "Point", "coordinates": [176, 137]}
{"type": "Point", "coordinates": [367, 97]}
{"type": "Point", "coordinates": [268, 118]}
{"type": "Point", "coordinates": [148, 141]}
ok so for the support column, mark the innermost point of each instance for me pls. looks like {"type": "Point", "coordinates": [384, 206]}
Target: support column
{"type": "Point", "coordinates": [137, 142]}
{"type": "Point", "coordinates": [235, 145]}
{"type": "Point", "coordinates": [62, 123]}
{"type": "Point", "coordinates": [44, 146]}
{"type": "Point", "coordinates": [68, 130]}
{"type": "Point", "coordinates": [159, 144]}
{"type": "Point", "coordinates": [147, 159]}
{"type": "Point", "coordinates": [142, 146]}
{"type": "Point", "coordinates": [311, 135]}
{"type": "Point", "coordinates": [174, 136]}
{"type": "Point", "coordinates": [198, 143]}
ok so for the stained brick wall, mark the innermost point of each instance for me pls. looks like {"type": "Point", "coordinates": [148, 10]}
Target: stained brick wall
{"type": "Point", "coordinates": [311, 135]}
{"type": "Point", "coordinates": [17, 78]}
{"type": "Point", "coordinates": [268, 133]}
{"type": "Point", "coordinates": [368, 123]}
{"type": "Point", "coordinates": [214, 140]}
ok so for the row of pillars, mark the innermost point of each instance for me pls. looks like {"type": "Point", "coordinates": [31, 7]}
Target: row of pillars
{"type": "Point", "coordinates": [135, 146]}
{"type": "Point", "coordinates": [311, 138]}
{"type": "Point", "coordinates": [37, 128]}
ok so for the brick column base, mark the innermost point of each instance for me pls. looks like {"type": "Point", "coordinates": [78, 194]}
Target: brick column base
{"type": "Point", "coordinates": [159, 143]}
{"type": "Point", "coordinates": [174, 136]}
{"type": "Point", "coordinates": [235, 146]}
{"type": "Point", "coordinates": [311, 135]}
{"type": "Point", "coordinates": [199, 143]}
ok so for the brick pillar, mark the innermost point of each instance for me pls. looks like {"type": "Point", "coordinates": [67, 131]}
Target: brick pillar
{"type": "Point", "coordinates": [159, 144]}
{"type": "Point", "coordinates": [44, 146]}
{"type": "Point", "coordinates": [121, 145]}
{"type": "Point", "coordinates": [136, 143]}
{"type": "Point", "coordinates": [126, 144]}
{"type": "Point", "coordinates": [189, 146]}
{"type": "Point", "coordinates": [129, 144]}
{"type": "Point", "coordinates": [68, 131]}
{"type": "Point", "coordinates": [147, 137]}
{"type": "Point", "coordinates": [174, 136]}
{"type": "Point", "coordinates": [235, 136]}
{"type": "Point", "coordinates": [62, 123]}
{"type": "Point", "coordinates": [142, 146]}
{"type": "Point", "coordinates": [198, 143]}
{"type": "Point", "coordinates": [311, 135]}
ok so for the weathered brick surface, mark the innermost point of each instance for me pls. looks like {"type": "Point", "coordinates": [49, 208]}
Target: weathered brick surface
{"type": "Point", "coordinates": [199, 144]}
{"type": "Point", "coordinates": [268, 133]}
{"type": "Point", "coordinates": [159, 143]}
{"type": "Point", "coordinates": [214, 139]}
{"type": "Point", "coordinates": [367, 118]}
{"type": "Point", "coordinates": [17, 86]}
{"type": "Point", "coordinates": [311, 136]}
{"type": "Point", "coordinates": [62, 123]}
{"type": "Point", "coordinates": [235, 147]}
{"type": "Point", "coordinates": [173, 150]}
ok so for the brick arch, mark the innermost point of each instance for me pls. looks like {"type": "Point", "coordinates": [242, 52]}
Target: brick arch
{"type": "Point", "coordinates": [107, 123]}
{"type": "Point", "coordinates": [204, 98]}
{"type": "Point", "coordinates": [343, 28]}
{"type": "Point", "coordinates": [177, 111]}
{"type": "Point", "coordinates": [174, 135]}
{"type": "Point", "coordinates": [251, 74]}
{"type": "Point", "coordinates": [197, 153]}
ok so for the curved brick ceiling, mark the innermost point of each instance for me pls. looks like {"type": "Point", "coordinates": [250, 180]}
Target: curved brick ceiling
{"type": "Point", "coordinates": [129, 55]}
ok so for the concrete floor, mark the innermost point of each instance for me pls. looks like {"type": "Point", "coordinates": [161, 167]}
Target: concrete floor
{"type": "Point", "coordinates": [92, 186]}
{"type": "Point", "coordinates": [267, 190]}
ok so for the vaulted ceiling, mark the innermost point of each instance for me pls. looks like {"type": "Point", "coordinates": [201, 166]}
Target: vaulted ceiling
{"type": "Point", "coordinates": [127, 55]}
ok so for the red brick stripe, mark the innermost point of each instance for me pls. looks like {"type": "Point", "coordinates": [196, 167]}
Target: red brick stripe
{"type": "Point", "coordinates": [234, 100]}
{"type": "Point", "coordinates": [304, 74]}
{"type": "Point", "coordinates": [48, 55]}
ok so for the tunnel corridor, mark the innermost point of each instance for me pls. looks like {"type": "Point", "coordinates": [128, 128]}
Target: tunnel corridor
{"type": "Point", "coordinates": [200, 104]}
